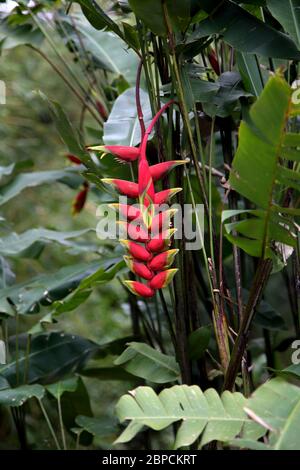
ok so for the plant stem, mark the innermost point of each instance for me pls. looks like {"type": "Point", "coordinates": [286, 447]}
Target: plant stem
{"type": "Point", "coordinates": [61, 423]}
{"type": "Point", "coordinates": [49, 424]}
{"type": "Point", "coordinates": [261, 277]}
{"type": "Point", "coordinates": [138, 100]}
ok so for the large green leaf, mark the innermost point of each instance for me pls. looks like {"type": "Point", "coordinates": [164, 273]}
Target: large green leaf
{"type": "Point", "coordinates": [203, 414]}
{"type": "Point", "coordinates": [226, 100]}
{"type": "Point", "coordinates": [84, 289]}
{"type": "Point", "coordinates": [12, 36]}
{"type": "Point", "coordinates": [273, 407]}
{"type": "Point", "coordinates": [244, 32]}
{"type": "Point", "coordinates": [143, 361]}
{"type": "Point", "coordinates": [288, 14]}
{"type": "Point", "coordinates": [52, 356]}
{"type": "Point", "coordinates": [276, 404]}
{"type": "Point", "coordinates": [97, 16]}
{"type": "Point", "coordinates": [46, 288]}
{"type": "Point", "coordinates": [15, 244]}
{"type": "Point", "coordinates": [107, 50]}
{"type": "Point", "coordinates": [250, 72]}
{"type": "Point", "coordinates": [99, 427]}
{"type": "Point", "coordinates": [29, 180]}
{"type": "Point", "coordinates": [152, 14]}
{"type": "Point", "coordinates": [122, 126]}
{"type": "Point", "coordinates": [18, 396]}
{"type": "Point", "coordinates": [57, 389]}
{"type": "Point", "coordinates": [262, 175]}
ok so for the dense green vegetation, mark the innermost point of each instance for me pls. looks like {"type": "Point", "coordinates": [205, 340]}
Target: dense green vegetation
{"type": "Point", "coordinates": [212, 356]}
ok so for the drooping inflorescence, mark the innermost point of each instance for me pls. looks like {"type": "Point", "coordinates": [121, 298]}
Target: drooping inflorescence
{"type": "Point", "coordinates": [147, 226]}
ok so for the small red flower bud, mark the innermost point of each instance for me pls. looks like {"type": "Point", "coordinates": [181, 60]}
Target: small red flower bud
{"type": "Point", "coordinates": [127, 188]}
{"type": "Point", "coordinates": [163, 260]}
{"type": "Point", "coordinates": [138, 268]}
{"type": "Point", "coordinates": [73, 159]}
{"type": "Point", "coordinates": [101, 109]}
{"type": "Point", "coordinates": [136, 250]}
{"type": "Point", "coordinates": [164, 196]}
{"type": "Point", "coordinates": [162, 279]}
{"type": "Point", "coordinates": [80, 200]}
{"type": "Point", "coordinates": [160, 170]}
{"type": "Point", "coordinates": [137, 288]}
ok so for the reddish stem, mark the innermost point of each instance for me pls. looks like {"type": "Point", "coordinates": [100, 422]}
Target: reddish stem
{"type": "Point", "coordinates": [151, 125]}
{"type": "Point", "coordinates": [138, 99]}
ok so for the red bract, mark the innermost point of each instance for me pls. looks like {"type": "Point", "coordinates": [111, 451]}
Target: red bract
{"type": "Point", "coordinates": [163, 197]}
{"type": "Point", "coordinates": [149, 232]}
{"type": "Point", "coordinates": [163, 260]}
{"type": "Point", "coordinates": [127, 188]}
{"type": "Point", "coordinates": [122, 152]}
{"type": "Point", "coordinates": [161, 170]}
{"type": "Point", "coordinates": [138, 288]}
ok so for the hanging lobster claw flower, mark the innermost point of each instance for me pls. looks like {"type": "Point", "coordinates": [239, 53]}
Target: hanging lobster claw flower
{"type": "Point", "coordinates": [140, 289]}
{"type": "Point", "coordinates": [164, 196]}
{"type": "Point", "coordinates": [138, 268]}
{"type": "Point", "coordinates": [122, 152]}
{"type": "Point", "coordinates": [162, 279]}
{"type": "Point", "coordinates": [161, 170]}
{"type": "Point", "coordinates": [126, 211]}
{"type": "Point", "coordinates": [136, 250]}
{"type": "Point", "coordinates": [161, 241]}
{"type": "Point", "coordinates": [126, 188]}
{"type": "Point", "coordinates": [163, 260]}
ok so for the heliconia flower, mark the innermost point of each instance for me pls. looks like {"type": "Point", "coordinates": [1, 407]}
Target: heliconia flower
{"type": "Point", "coordinates": [127, 188]}
{"type": "Point", "coordinates": [136, 250]}
{"type": "Point", "coordinates": [73, 158]}
{"type": "Point", "coordinates": [161, 241]}
{"type": "Point", "coordinates": [122, 152]}
{"type": "Point", "coordinates": [135, 231]}
{"type": "Point", "coordinates": [138, 268]}
{"type": "Point", "coordinates": [148, 231]}
{"type": "Point", "coordinates": [163, 260]}
{"type": "Point", "coordinates": [160, 170]}
{"type": "Point", "coordinates": [164, 196]}
{"type": "Point", "coordinates": [126, 211]}
{"type": "Point", "coordinates": [162, 279]}
{"type": "Point", "coordinates": [162, 221]}
{"type": "Point", "coordinates": [138, 288]}
{"type": "Point", "coordinates": [80, 199]}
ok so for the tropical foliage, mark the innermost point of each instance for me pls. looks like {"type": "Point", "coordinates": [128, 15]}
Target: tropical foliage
{"type": "Point", "coordinates": [199, 101]}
